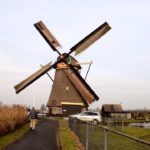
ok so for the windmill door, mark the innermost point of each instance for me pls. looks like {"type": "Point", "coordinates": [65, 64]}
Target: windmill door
{"type": "Point", "coordinates": [71, 109]}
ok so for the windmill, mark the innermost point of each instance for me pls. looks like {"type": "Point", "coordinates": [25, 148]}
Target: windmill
{"type": "Point", "coordinates": [70, 92]}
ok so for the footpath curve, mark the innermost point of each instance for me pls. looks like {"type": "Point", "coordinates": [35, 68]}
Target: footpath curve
{"type": "Point", "coordinates": [45, 137]}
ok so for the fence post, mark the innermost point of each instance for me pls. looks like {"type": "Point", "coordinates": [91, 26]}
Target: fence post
{"type": "Point", "coordinates": [122, 124]}
{"type": "Point", "coordinates": [70, 123]}
{"type": "Point", "coordinates": [105, 139]}
{"type": "Point", "coordinates": [87, 136]}
{"type": "Point", "coordinates": [74, 124]}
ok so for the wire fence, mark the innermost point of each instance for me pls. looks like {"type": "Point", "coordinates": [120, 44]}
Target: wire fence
{"type": "Point", "coordinates": [98, 137]}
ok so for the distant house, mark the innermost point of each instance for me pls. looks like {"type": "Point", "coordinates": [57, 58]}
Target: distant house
{"type": "Point", "coordinates": [140, 114]}
{"type": "Point", "coordinates": [114, 111]}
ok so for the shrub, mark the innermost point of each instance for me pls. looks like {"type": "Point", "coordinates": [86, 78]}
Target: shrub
{"type": "Point", "coordinates": [11, 117]}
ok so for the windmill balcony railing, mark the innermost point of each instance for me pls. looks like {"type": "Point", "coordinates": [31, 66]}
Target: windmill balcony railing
{"type": "Point", "coordinates": [100, 137]}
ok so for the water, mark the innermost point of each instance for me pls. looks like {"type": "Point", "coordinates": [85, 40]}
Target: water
{"type": "Point", "coordinates": [142, 125]}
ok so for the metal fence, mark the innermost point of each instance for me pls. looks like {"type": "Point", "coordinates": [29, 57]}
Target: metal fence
{"type": "Point", "coordinates": [98, 137]}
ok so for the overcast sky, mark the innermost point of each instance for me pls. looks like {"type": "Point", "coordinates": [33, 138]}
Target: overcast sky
{"type": "Point", "coordinates": [121, 59]}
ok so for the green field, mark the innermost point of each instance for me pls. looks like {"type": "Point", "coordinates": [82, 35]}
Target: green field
{"type": "Point", "coordinates": [115, 142]}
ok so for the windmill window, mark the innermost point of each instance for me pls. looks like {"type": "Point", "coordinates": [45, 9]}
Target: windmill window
{"type": "Point", "coordinates": [67, 88]}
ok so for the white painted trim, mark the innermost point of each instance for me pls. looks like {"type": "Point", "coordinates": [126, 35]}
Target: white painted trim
{"type": "Point", "coordinates": [69, 103]}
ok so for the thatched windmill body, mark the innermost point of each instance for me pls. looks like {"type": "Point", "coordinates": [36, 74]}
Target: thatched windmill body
{"type": "Point", "coordinates": [70, 92]}
{"type": "Point", "coordinates": [68, 96]}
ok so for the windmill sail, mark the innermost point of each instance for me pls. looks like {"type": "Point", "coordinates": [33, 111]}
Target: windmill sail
{"type": "Point", "coordinates": [19, 87]}
{"type": "Point", "coordinates": [91, 38]}
{"type": "Point", "coordinates": [47, 35]}
{"type": "Point", "coordinates": [88, 97]}
{"type": "Point", "coordinates": [79, 78]}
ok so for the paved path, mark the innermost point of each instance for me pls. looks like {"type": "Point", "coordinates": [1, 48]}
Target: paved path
{"type": "Point", "coordinates": [44, 138]}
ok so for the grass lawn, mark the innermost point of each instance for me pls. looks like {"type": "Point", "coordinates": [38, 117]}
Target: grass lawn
{"type": "Point", "coordinates": [141, 133]}
{"type": "Point", "coordinates": [115, 142]}
{"type": "Point", "coordinates": [13, 136]}
{"type": "Point", "coordinates": [118, 142]}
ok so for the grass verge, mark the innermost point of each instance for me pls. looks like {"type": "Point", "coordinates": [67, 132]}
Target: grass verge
{"type": "Point", "coordinates": [115, 142]}
{"type": "Point", "coordinates": [11, 137]}
{"type": "Point", "coordinates": [68, 139]}
{"type": "Point", "coordinates": [141, 133]}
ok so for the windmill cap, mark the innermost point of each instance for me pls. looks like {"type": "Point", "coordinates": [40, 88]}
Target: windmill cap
{"type": "Point", "coordinates": [70, 60]}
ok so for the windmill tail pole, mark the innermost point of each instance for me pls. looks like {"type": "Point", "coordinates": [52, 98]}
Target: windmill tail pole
{"type": "Point", "coordinates": [50, 77]}
{"type": "Point", "coordinates": [88, 69]}
{"type": "Point", "coordinates": [48, 74]}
